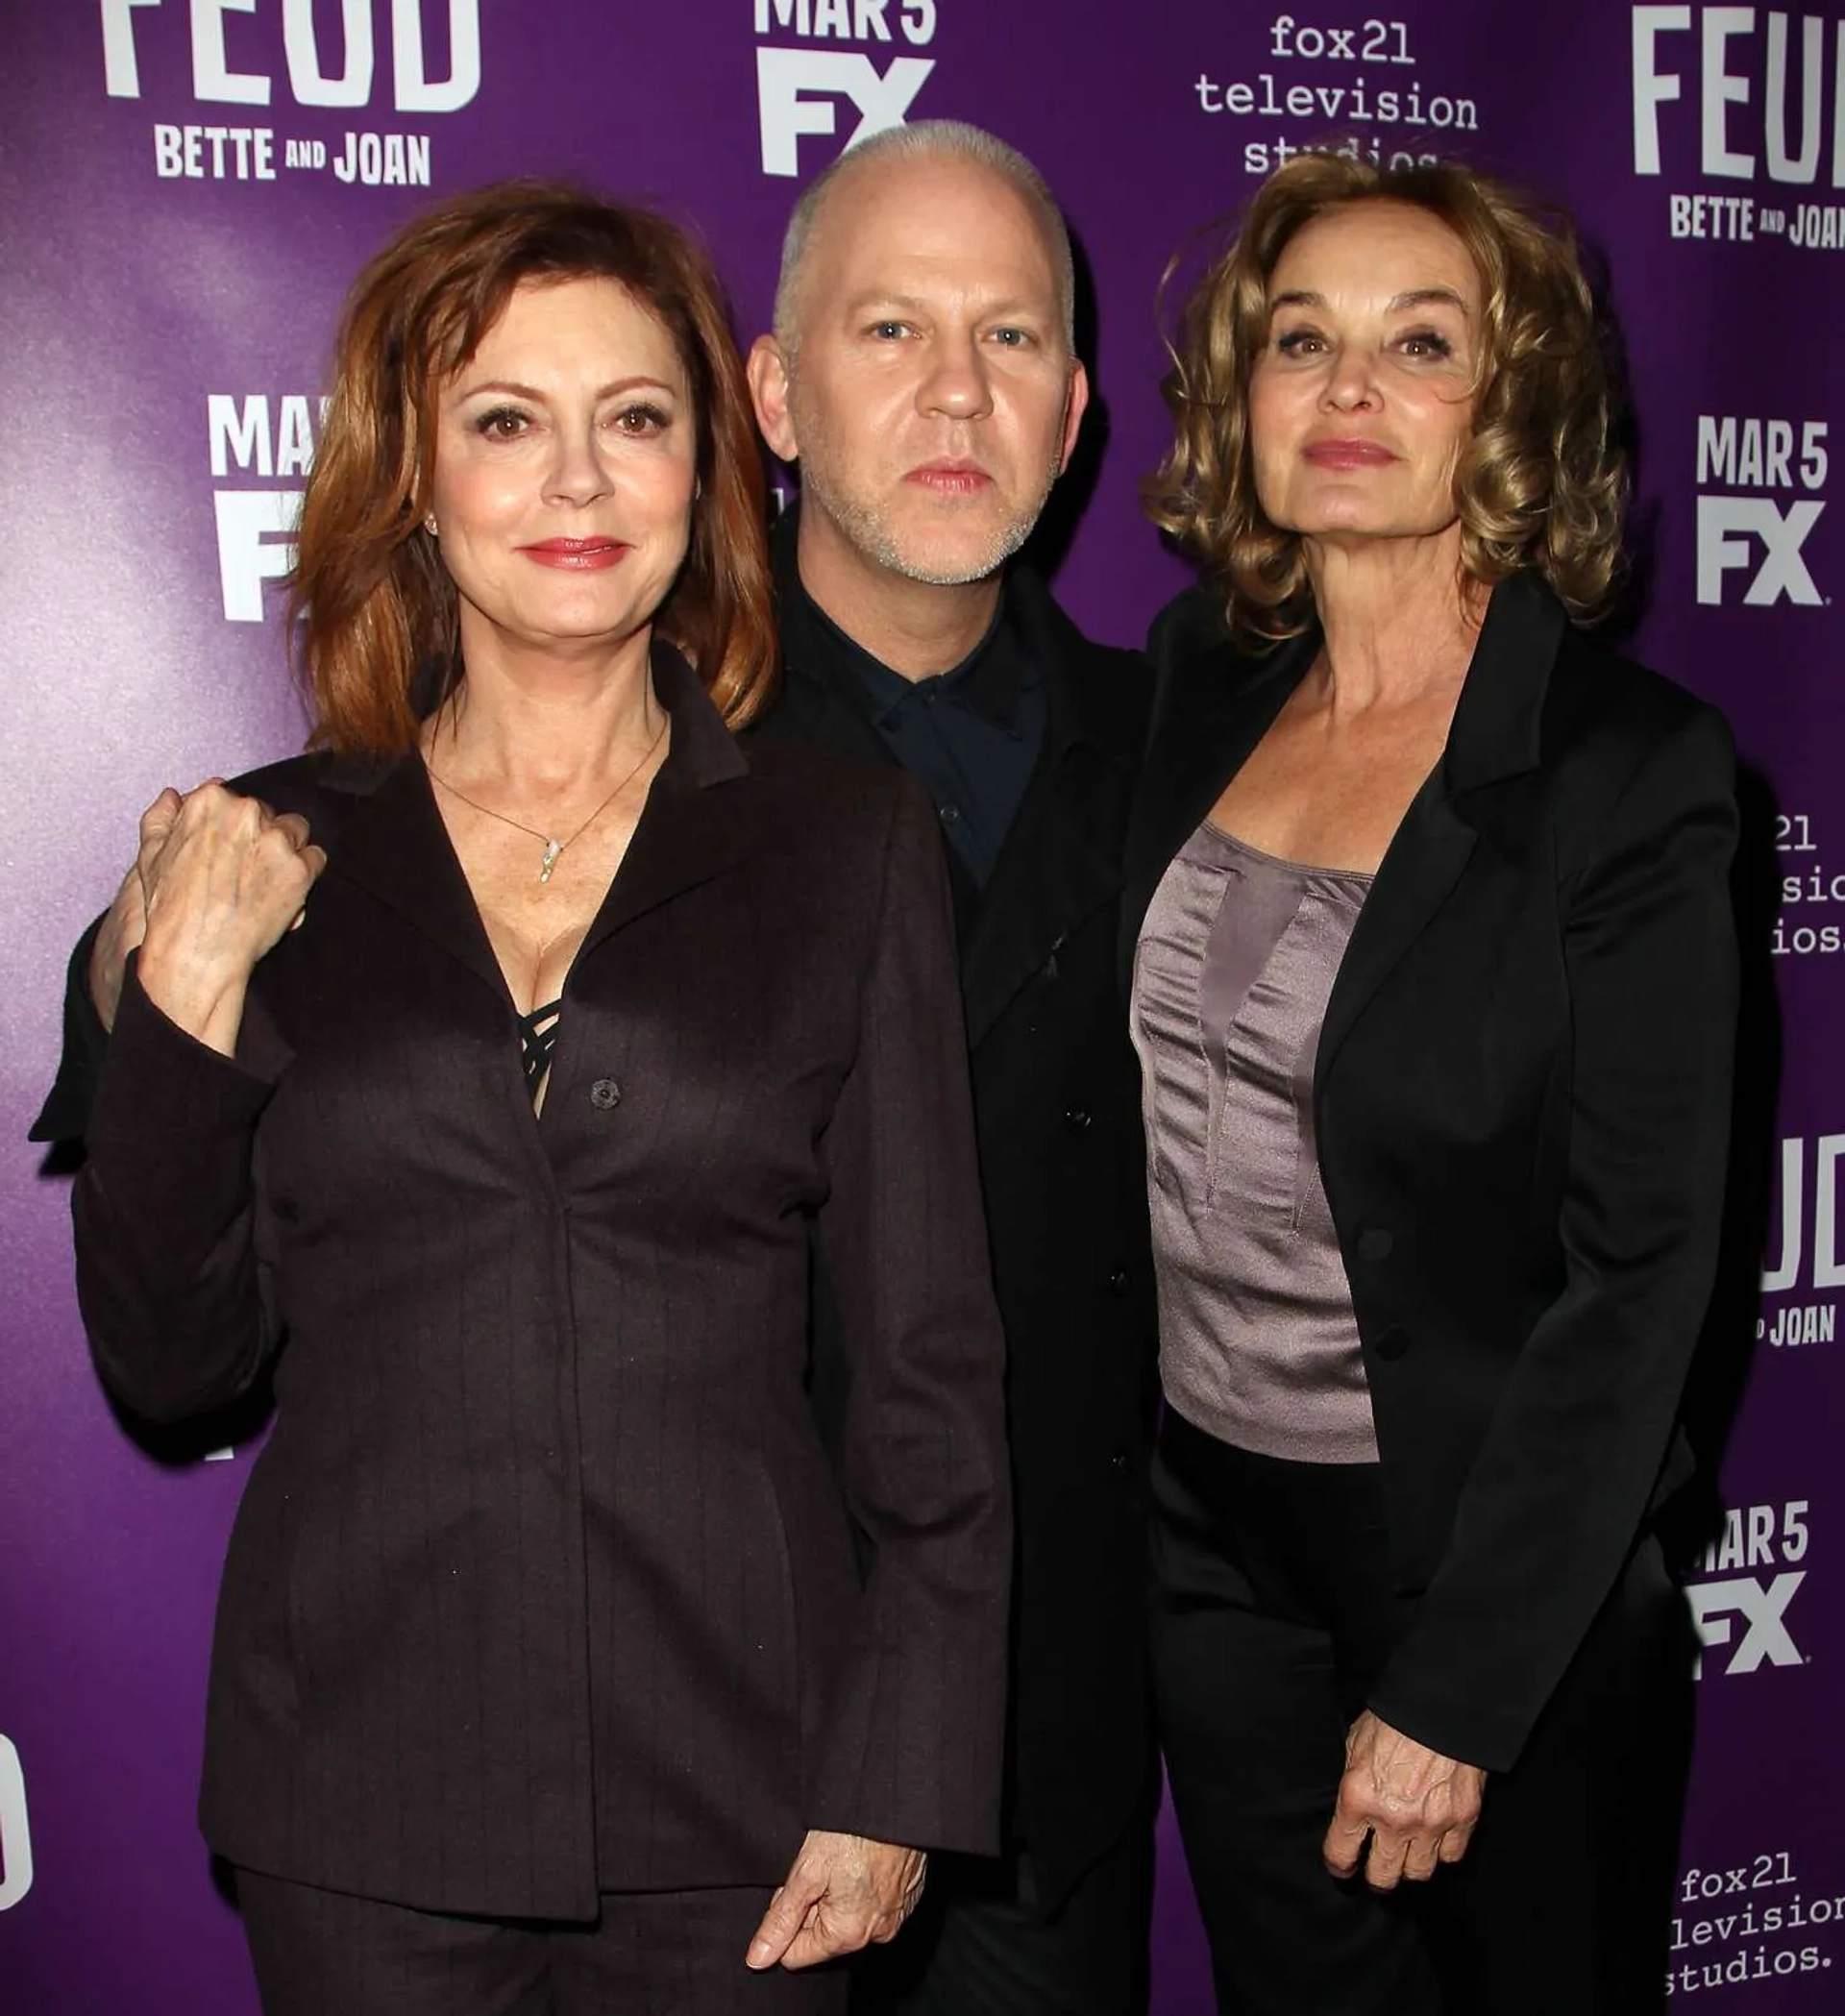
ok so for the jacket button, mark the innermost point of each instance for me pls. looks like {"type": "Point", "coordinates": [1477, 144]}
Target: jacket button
{"type": "Point", "coordinates": [605, 1094]}
{"type": "Point", "coordinates": [1117, 1463]}
{"type": "Point", "coordinates": [1077, 1116]}
{"type": "Point", "coordinates": [1374, 1243]}
{"type": "Point", "coordinates": [1117, 1282]}
{"type": "Point", "coordinates": [1391, 1342]}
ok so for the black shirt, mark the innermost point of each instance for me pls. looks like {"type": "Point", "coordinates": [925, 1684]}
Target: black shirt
{"type": "Point", "coordinates": [971, 737]}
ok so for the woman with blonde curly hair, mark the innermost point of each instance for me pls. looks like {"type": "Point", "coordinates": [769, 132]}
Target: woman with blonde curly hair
{"type": "Point", "coordinates": [1433, 987]}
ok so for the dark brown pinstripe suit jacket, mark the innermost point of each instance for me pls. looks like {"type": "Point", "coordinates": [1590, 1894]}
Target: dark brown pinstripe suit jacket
{"type": "Point", "coordinates": [543, 1583]}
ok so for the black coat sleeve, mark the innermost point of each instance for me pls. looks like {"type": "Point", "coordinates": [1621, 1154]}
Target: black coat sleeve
{"type": "Point", "coordinates": [914, 1733]}
{"type": "Point", "coordinates": [1558, 1492]}
{"type": "Point", "coordinates": [169, 1277]}
{"type": "Point", "coordinates": [65, 1114]}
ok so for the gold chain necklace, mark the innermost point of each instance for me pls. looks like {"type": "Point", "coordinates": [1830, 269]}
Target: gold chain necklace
{"type": "Point", "coordinates": [554, 848]}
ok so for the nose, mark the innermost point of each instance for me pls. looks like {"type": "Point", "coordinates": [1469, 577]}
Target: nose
{"type": "Point", "coordinates": [580, 472]}
{"type": "Point", "coordinates": [1351, 384]}
{"type": "Point", "coordinates": [956, 382]}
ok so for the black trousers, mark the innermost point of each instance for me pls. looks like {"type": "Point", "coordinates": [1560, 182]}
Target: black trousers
{"type": "Point", "coordinates": [650, 1954]}
{"type": "Point", "coordinates": [983, 1943]}
{"type": "Point", "coordinates": [1273, 1613]}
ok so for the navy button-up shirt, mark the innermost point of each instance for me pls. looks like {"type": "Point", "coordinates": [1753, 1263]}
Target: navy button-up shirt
{"type": "Point", "coordinates": [971, 737]}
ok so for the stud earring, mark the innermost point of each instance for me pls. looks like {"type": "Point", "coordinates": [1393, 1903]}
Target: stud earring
{"type": "Point", "coordinates": [428, 525]}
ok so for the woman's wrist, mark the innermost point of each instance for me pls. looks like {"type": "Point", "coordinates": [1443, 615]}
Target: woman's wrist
{"type": "Point", "coordinates": [205, 1001]}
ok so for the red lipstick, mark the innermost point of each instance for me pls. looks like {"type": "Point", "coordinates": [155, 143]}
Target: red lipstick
{"type": "Point", "coordinates": [1349, 453]}
{"type": "Point", "coordinates": [578, 556]}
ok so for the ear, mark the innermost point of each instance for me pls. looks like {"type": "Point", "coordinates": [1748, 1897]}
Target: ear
{"type": "Point", "coordinates": [768, 373]}
{"type": "Point", "coordinates": [1075, 405]}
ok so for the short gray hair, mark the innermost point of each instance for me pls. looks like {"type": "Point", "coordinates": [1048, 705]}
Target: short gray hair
{"type": "Point", "coordinates": [930, 140]}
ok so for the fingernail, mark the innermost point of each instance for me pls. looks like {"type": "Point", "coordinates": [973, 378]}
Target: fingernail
{"type": "Point", "coordinates": [760, 1952]}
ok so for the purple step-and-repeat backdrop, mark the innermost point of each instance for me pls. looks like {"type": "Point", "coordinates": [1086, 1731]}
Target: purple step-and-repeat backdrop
{"type": "Point", "coordinates": [186, 187]}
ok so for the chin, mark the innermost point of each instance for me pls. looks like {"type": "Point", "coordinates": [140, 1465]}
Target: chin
{"type": "Point", "coordinates": [1354, 516]}
{"type": "Point", "coordinates": [1356, 520]}
{"type": "Point", "coordinates": [569, 627]}
{"type": "Point", "coordinates": [948, 566]}
{"type": "Point", "coordinates": [966, 551]}
{"type": "Point", "coordinates": [564, 630]}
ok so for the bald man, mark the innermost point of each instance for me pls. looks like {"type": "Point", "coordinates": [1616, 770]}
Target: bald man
{"type": "Point", "coordinates": [923, 375]}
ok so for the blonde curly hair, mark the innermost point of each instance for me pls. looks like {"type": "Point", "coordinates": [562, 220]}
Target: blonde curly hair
{"type": "Point", "coordinates": [1541, 483]}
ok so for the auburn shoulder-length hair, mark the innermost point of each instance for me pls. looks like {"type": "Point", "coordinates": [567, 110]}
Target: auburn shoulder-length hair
{"type": "Point", "coordinates": [1542, 483]}
{"type": "Point", "coordinates": [375, 605]}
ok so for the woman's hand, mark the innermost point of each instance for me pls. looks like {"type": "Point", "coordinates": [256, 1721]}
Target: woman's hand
{"type": "Point", "coordinates": [222, 878]}
{"type": "Point", "coordinates": [843, 1893]}
{"type": "Point", "coordinates": [1419, 1806]}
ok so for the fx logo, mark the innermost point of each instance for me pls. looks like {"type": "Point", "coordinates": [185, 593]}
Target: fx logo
{"type": "Point", "coordinates": [1726, 527]}
{"type": "Point", "coordinates": [794, 88]}
{"type": "Point", "coordinates": [16, 1832]}
{"type": "Point", "coordinates": [1764, 1606]}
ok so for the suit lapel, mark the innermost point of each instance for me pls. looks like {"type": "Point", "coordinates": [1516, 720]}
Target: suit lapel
{"type": "Point", "coordinates": [812, 707]}
{"type": "Point", "coordinates": [1493, 740]}
{"type": "Point", "coordinates": [810, 711]}
{"type": "Point", "coordinates": [1423, 863]}
{"type": "Point", "coordinates": [1057, 863]}
{"type": "Point", "coordinates": [686, 836]}
{"type": "Point", "coordinates": [1054, 870]}
{"type": "Point", "coordinates": [691, 828]}
{"type": "Point", "coordinates": [394, 847]}
{"type": "Point", "coordinates": [1207, 720]}
{"type": "Point", "coordinates": [1061, 860]}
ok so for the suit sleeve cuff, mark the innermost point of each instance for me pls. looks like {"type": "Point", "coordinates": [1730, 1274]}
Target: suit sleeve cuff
{"type": "Point", "coordinates": [65, 1114]}
{"type": "Point", "coordinates": [1468, 1733]}
{"type": "Point", "coordinates": [174, 1118]}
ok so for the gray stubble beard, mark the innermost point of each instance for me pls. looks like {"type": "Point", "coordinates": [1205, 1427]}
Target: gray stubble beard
{"type": "Point", "coordinates": [867, 531]}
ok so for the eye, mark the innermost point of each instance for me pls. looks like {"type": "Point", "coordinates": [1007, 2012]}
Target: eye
{"type": "Point", "coordinates": [1011, 338]}
{"type": "Point", "coordinates": [1427, 343]}
{"type": "Point", "coordinates": [501, 424]}
{"type": "Point", "coordinates": [641, 419]}
{"type": "Point", "coordinates": [1301, 343]}
{"type": "Point", "coordinates": [890, 332]}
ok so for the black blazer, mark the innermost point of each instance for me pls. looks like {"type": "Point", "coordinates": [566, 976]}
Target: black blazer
{"type": "Point", "coordinates": [544, 1582]}
{"type": "Point", "coordinates": [1522, 1104]}
{"type": "Point", "coordinates": [1057, 1111]}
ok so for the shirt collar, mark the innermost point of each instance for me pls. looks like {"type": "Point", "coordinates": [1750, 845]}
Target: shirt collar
{"type": "Point", "coordinates": [990, 679]}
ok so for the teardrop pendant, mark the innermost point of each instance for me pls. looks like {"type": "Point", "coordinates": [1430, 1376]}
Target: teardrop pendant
{"type": "Point", "coordinates": [553, 849]}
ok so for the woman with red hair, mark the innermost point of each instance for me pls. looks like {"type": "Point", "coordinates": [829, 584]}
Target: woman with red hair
{"type": "Point", "coordinates": [482, 1073]}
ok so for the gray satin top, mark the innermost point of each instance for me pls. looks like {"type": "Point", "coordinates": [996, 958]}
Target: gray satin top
{"type": "Point", "coordinates": [1236, 958]}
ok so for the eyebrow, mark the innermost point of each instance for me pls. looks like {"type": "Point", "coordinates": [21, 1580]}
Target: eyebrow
{"type": "Point", "coordinates": [537, 398]}
{"type": "Point", "coordinates": [1415, 298]}
{"type": "Point", "coordinates": [913, 303]}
